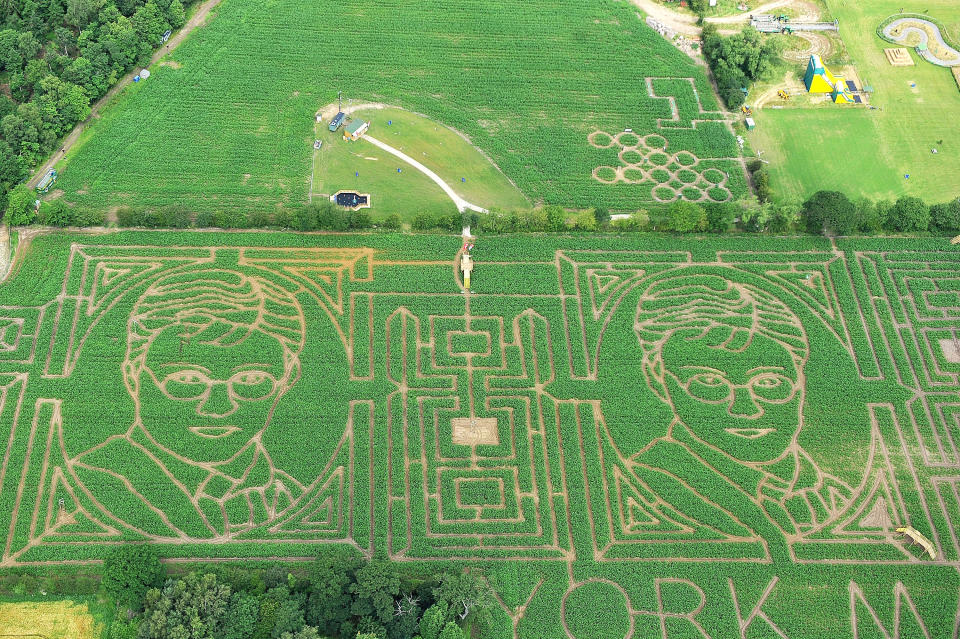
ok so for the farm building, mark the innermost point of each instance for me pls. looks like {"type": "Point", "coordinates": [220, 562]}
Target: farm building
{"type": "Point", "coordinates": [819, 79]}
{"type": "Point", "coordinates": [355, 130]}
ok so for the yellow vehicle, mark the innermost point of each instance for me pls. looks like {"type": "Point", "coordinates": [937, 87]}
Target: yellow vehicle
{"type": "Point", "coordinates": [783, 94]}
{"type": "Point", "coordinates": [746, 110]}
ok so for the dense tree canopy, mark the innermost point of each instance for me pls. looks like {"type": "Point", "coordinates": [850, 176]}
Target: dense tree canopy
{"type": "Point", "coordinates": [737, 60]}
{"type": "Point", "coordinates": [58, 56]}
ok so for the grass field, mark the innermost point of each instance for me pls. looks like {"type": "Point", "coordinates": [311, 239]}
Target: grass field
{"type": "Point", "coordinates": [869, 152]}
{"type": "Point", "coordinates": [228, 121]}
{"type": "Point", "coordinates": [618, 432]}
{"type": "Point", "coordinates": [449, 155]}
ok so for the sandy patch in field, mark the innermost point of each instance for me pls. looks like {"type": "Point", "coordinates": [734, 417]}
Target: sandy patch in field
{"type": "Point", "coordinates": [951, 350]}
{"type": "Point", "coordinates": [173, 64]}
{"type": "Point", "coordinates": [49, 620]}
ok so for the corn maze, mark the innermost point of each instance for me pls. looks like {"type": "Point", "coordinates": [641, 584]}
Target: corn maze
{"type": "Point", "coordinates": [515, 78]}
{"type": "Point", "coordinates": [651, 160]}
{"type": "Point", "coordinates": [627, 438]}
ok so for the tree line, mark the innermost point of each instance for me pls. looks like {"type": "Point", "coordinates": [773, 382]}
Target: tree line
{"type": "Point", "coordinates": [338, 596]}
{"type": "Point", "coordinates": [56, 58]}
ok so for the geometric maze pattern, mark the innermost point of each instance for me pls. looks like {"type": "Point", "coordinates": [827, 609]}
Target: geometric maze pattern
{"type": "Point", "coordinates": [477, 426]}
{"type": "Point", "coordinates": [649, 159]}
{"type": "Point", "coordinates": [472, 439]}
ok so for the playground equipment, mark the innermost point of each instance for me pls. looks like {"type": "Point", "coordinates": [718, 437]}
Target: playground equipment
{"type": "Point", "coordinates": [915, 537]}
{"type": "Point", "coordinates": [819, 79]}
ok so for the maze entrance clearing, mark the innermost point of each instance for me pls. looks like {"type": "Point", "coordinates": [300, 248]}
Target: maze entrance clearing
{"type": "Point", "coordinates": [747, 419]}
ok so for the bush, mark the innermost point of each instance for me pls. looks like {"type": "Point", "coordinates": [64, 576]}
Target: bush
{"type": "Point", "coordinates": [638, 221]}
{"type": "Point", "coordinates": [721, 216]}
{"type": "Point", "coordinates": [829, 210]}
{"type": "Point", "coordinates": [391, 222]}
{"type": "Point", "coordinates": [203, 220]}
{"type": "Point", "coordinates": [125, 216]}
{"type": "Point", "coordinates": [284, 218]}
{"type": "Point", "coordinates": [909, 214]}
{"type": "Point", "coordinates": [20, 207]}
{"type": "Point", "coordinates": [761, 182]}
{"type": "Point", "coordinates": [147, 218]}
{"type": "Point", "coordinates": [175, 217]}
{"type": "Point", "coordinates": [55, 213]}
{"type": "Point", "coordinates": [129, 572]}
{"type": "Point", "coordinates": [332, 218]}
{"type": "Point", "coordinates": [584, 221]}
{"type": "Point", "coordinates": [258, 219]}
{"type": "Point", "coordinates": [687, 217]}
{"type": "Point", "coordinates": [360, 220]}
{"type": "Point", "coordinates": [305, 219]}
{"type": "Point", "coordinates": [83, 216]}
{"type": "Point", "coordinates": [946, 216]}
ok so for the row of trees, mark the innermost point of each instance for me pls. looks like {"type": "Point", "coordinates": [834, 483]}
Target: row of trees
{"type": "Point", "coordinates": [338, 596]}
{"type": "Point", "coordinates": [58, 56]}
{"type": "Point", "coordinates": [826, 211]}
{"type": "Point", "coordinates": [833, 212]}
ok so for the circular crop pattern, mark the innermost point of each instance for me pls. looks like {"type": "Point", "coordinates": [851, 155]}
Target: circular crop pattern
{"type": "Point", "coordinates": [597, 610]}
{"type": "Point", "coordinates": [631, 156]}
{"type": "Point", "coordinates": [692, 193]}
{"type": "Point", "coordinates": [660, 159]}
{"type": "Point", "coordinates": [605, 174]}
{"type": "Point", "coordinates": [714, 176]}
{"type": "Point", "coordinates": [687, 176]}
{"type": "Point", "coordinates": [685, 158]}
{"type": "Point", "coordinates": [655, 141]}
{"type": "Point", "coordinates": [600, 139]}
{"type": "Point", "coordinates": [633, 175]}
{"type": "Point", "coordinates": [628, 139]}
{"type": "Point", "coordinates": [664, 194]}
{"type": "Point", "coordinates": [660, 176]}
{"type": "Point", "coordinates": [719, 194]}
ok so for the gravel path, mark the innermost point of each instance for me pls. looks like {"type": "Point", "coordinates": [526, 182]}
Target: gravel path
{"type": "Point", "coordinates": [461, 203]}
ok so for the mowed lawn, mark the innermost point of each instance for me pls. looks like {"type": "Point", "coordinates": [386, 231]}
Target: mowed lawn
{"type": "Point", "coordinates": [361, 166]}
{"type": "Point", "coordinates": [864, 152]}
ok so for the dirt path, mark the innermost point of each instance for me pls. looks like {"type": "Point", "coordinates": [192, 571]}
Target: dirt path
{"type": "Point", "coordinates": [198, 19]}
{"type": "Point", "coordinates": [687, 24]}
{"type": "Point", "coordinates": [461, 203]}
{"type": "Point", "coordinates": [5, 256]}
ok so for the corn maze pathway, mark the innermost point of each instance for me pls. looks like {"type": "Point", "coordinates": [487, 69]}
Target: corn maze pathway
{"type": "Point", "coordinates": [692, 436]}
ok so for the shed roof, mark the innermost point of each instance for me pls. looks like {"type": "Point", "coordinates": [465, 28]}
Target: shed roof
{"type": "Point", "coordinates": [355, 126]}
